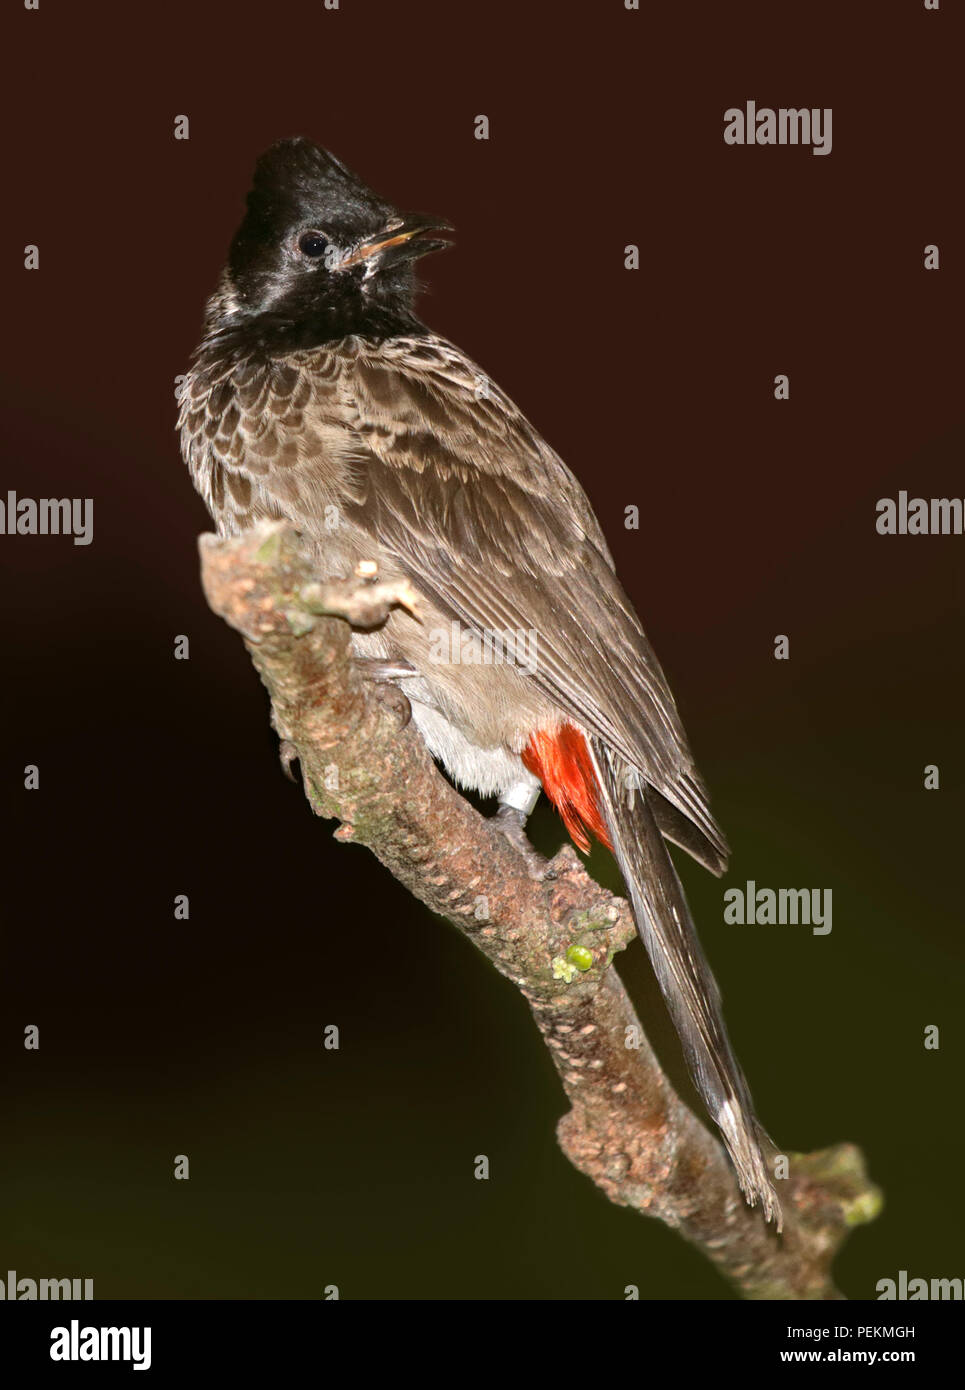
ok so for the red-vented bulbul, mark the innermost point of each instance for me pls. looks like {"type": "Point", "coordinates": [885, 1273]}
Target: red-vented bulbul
{"type": "Point", "coordinates": [317, 396]}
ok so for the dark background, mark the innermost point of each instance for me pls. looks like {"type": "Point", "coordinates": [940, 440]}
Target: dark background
{"type": "Point", "coordinates": [159, 777]}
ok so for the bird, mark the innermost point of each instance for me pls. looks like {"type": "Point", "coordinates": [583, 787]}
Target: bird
{"type": "Point", "coordinates": [317, 397]}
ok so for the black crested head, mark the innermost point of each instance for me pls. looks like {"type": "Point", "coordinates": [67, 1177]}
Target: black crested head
{"type": "Point", "coordinates": [319, 255]}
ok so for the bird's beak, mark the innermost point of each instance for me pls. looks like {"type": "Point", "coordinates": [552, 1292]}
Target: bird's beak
{"type": "Point", "coordinates": [401, 239]}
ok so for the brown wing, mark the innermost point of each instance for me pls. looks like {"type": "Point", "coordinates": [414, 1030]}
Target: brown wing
{"type": "Point", "coordinates": [425, 454]}
{"type": "Point", "coordinates": [487, 519]}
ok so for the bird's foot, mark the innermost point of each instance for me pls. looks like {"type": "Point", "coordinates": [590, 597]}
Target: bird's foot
{"type": "Point", "coordinates": [383, 674]}
{"type": "Point", "coordinates": [287, 754]}
{"type": "Point", "coordinates": [511, 822]}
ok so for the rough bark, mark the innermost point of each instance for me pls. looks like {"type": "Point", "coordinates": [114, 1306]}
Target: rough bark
{"type": "Point", "coordinates": [554, 939]}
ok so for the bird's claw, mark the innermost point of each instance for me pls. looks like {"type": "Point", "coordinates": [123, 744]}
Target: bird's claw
{"type": "Point", "coordinates": [396, 700]}
{"type": "Point", "coordinates": [287, 754]}
{"type": "Point", "coordinates": [383, 673]}
{"type": "Point", "coordinates": [512, 824]}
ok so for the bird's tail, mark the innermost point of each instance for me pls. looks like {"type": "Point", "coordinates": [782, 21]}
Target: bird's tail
{"type": "Point", "coordinates": [667, 930]}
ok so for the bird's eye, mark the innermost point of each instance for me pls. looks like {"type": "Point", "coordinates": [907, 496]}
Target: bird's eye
{"type": "Point", "coordinates": [313, 244]}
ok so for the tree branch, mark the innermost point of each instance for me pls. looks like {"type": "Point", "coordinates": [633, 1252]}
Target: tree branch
{"type": "Point", "coordinates": [555, 940]}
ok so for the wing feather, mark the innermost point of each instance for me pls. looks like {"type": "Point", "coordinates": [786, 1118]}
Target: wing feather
{"type": "Point", "coordinates": [428, 457]}
{"type": "Point", "coordinates": [505, 537]}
